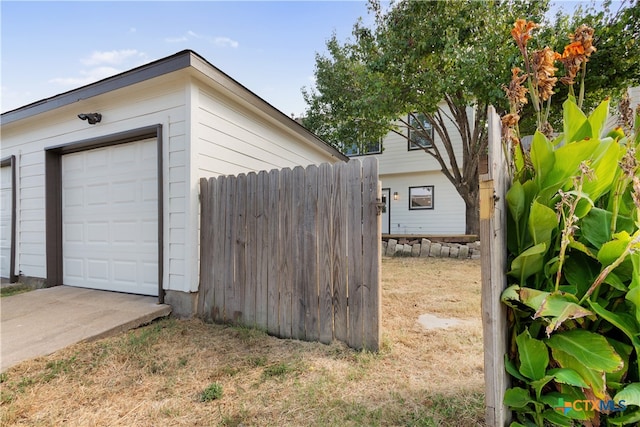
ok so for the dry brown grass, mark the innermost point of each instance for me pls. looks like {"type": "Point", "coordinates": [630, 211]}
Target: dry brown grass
{"type": "Point", "coordinates": [155, 375]}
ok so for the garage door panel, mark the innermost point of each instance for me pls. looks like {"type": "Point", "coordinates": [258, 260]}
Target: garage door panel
{"type": "Point", "coordinates": [74, 197]}
{"type": "Point", "coordinates": [97, 195]}
{"type": "Point", "coordinates": [110, 219]}
{"type": "Point", "coordinates": [73, 268]}
{"type": "Point", "coordinates": [74, 232]}
{"type": "Point", "coordinates": [97, 269]}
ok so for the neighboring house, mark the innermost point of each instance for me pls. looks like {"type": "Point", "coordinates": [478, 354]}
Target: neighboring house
{"type": "Point", "coordinates": [115, 205]}
{"type": "Point", "coordinates": [419, 199]}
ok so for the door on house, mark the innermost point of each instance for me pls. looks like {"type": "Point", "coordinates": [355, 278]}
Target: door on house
{"type": "Point", "coordinates": [386, 215]}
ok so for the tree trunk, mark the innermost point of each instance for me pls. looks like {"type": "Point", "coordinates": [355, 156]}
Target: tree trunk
{"type": "Point", "coordinates": [472, 214]}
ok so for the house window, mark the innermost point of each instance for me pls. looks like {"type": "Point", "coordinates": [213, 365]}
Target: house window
{"type": "Point", "coordinates": [421, 197]}
{"type": "Point", "coordinates": [420, 132]}
{"type": "Point", "coordinates": [372, 148]}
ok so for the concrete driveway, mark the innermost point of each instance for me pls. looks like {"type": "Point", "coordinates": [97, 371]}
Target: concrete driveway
{"type": "Point", "coordinates": [40, 322]}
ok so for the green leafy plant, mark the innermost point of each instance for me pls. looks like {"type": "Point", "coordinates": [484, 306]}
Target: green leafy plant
{"type": "Point", "coordinates": [573, 242]}
{"type": "Point", "coordinates": [212, 392]}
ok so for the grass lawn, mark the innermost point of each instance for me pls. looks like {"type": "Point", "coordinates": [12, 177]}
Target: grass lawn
{"type": "Point", "coordinates": [175, 372]}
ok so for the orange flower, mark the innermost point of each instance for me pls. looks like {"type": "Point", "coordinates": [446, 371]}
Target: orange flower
{"type": "Point", "coordinates": [521, 32]}
{"type": "Point", "coordinates": [584, 36]}
{"type": "Point", "coordinates": [573, 49]}
{"type": "Point", "coordinates": [577, 52]}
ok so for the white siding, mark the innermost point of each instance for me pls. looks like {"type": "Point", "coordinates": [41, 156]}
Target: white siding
{"type": "Point", "coordinates": [401, 168]}
{"type": "Point", "coordinates": [229, 138]}
{"type": "Point", "coordinates": [158, 101]}
{"type": "Point", "coordinates": [447, 216]}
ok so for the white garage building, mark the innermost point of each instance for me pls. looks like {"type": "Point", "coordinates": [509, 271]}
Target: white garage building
{"type": "Point", "coordinates": [114, 205]}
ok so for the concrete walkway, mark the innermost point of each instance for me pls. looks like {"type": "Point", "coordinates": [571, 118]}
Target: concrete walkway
{"type": "Point", "coordinates": [43, 321]}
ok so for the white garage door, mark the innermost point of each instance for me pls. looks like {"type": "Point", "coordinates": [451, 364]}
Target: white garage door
{"type": "Point", "coordinates": [5, 222]}
{"type": "Point", "coordinates": [110, 218]}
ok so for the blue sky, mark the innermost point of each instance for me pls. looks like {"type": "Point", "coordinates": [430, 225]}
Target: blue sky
{"type": "Point", "coordinates": [51, 47]}
{"type": "Point", "coordinates": [268, 46]}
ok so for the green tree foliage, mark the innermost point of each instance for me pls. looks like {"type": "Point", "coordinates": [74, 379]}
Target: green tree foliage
{"type": "Point", "coordinates": [442, 59]}
{"type": "Point", "coordinates": [446, 60]}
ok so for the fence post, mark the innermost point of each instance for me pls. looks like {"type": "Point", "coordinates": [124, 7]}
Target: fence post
{"type": "Point", "coordinates": [493, 237]}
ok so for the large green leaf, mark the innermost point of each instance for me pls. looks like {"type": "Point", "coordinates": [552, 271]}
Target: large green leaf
{"type": "Point", "coordinates": [604, 170]}
{"type": "Point", "coordinates": [559, 307]}
{"type": "Point", "coordinates": [568, 159]}
{"type": "Point", "coordinates": [515, 200]}
{"type": "Point", "coordinates": [532, 297]}
{"type": "Point", "coordinates": [556, 418]}
{"type": "Point", "coordinates": [510, 367]}
{"type": "Point", "coordinates": [588, 348]}
{"type": "Point", "coordinates": [598, 118]}
{"type": "Point", "coordinates": [528, 262]}
{"type": "Point", "coordinates": [623, 321]}
{"type": "Point", "coordinates": [630, 394]}
{"type": "Point", "coordinates": [567, 376]}
{"type": "Point", "coordinates": [542, 156]}
{"type": "Point", "coordinates": [576, 124]}
{"type": "Point", "coordinates": [533, 355]}
{"type": "Point", "coordinates": [596, 227]}
{"type": "Point", "coordinates": [517, 397]}
{"type": "Point", "coordinates": [595, 379]}
{"type": "Point", "coordinates": [543, 221]}
{"type": "Point", "coordinates": [613, 249]}
{"type": "Point", "coordinates": [629, 418]}
{"type": "Point", "coordinates": [538, 385]}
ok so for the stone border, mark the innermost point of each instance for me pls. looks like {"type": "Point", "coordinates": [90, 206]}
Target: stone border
{"type": "Point", "coordinates": [426, 248]}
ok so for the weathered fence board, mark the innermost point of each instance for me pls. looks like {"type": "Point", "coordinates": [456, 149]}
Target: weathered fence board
{"type": "Point", "coordinates": [339, 247]}
{"type": "Point", "coordinates": [371, 249]}
{"type": "Point", "coordinates": [493, 234]}
{"type": "Point", "coordinates": [295, 252]}
{"type": "Point", "coordinates": [325, 237]}
{"type": "Point", "coordinates": [354, 246]}
{"type": "Point", "coordinates": [273, 255]}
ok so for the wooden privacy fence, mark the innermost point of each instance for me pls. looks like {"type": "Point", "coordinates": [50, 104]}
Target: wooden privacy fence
{"type": "Point", "coordinates": [294, 252]}
{"type": "Point", "coordinates": [493, 254]}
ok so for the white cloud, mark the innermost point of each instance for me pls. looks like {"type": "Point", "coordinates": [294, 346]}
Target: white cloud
{"type": "Point", "coordinates": [113, 57]}
{"type": "Point", "coordinates": [101, 65]}
{"type": "Point", "coordinates": [225, 42]}
{"type": "Point", "coordinates": [219, 41]}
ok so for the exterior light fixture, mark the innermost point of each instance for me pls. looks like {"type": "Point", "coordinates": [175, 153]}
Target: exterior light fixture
{"type": "Point", "coordinates": [92, 118]}
{"type": "Point", "coordinates": [395, 195]}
